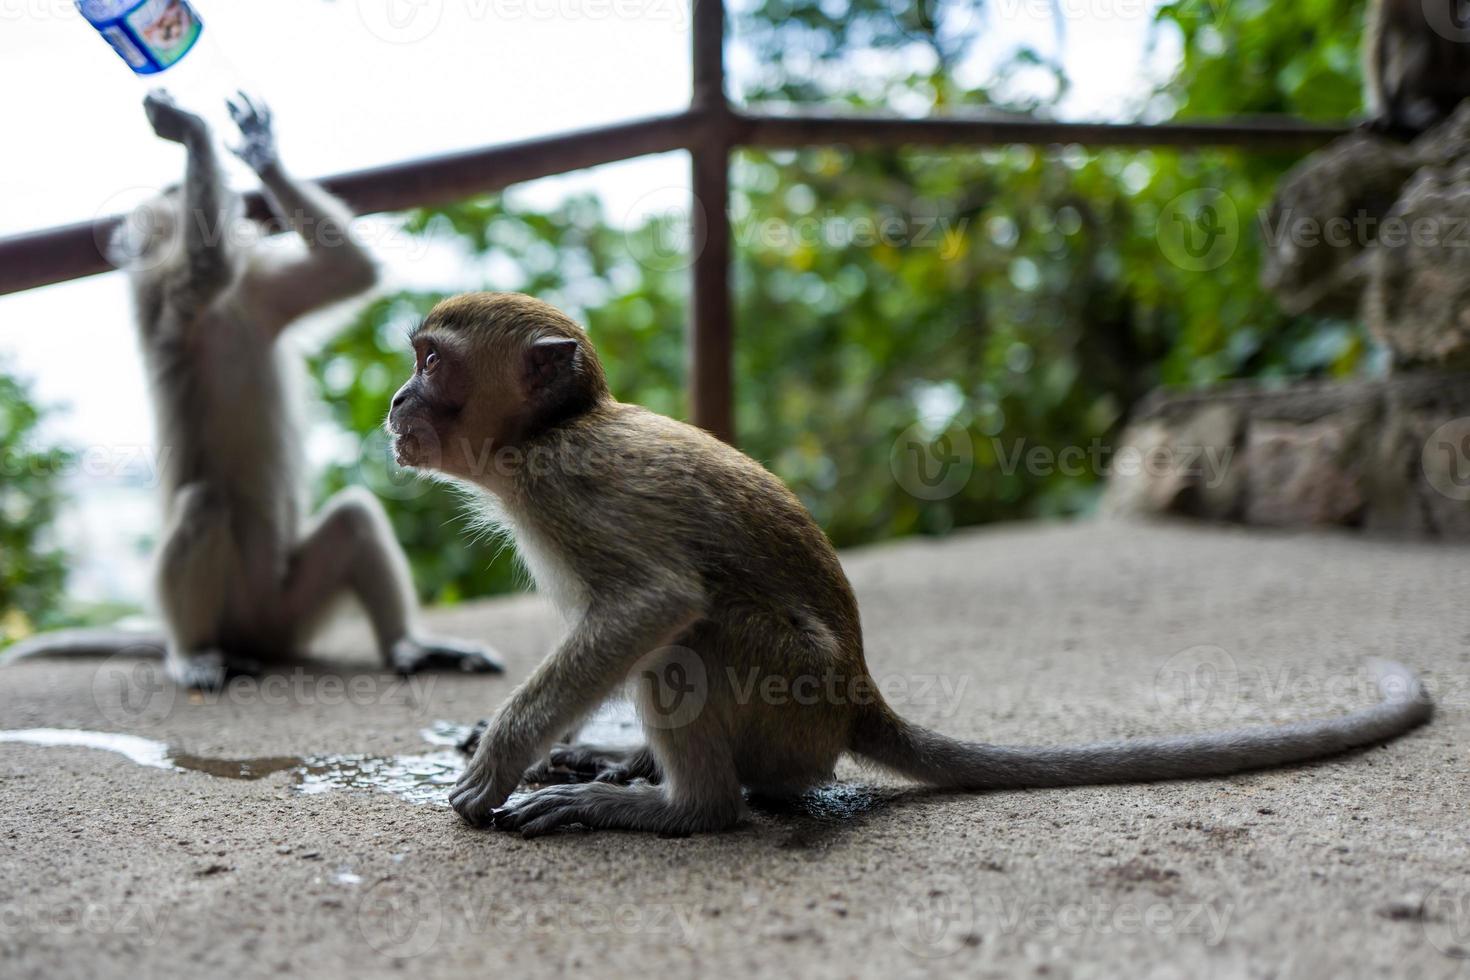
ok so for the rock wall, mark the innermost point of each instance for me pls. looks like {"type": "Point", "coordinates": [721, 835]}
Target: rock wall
{"type": "Point", "coordinates": [1391, 456]}
{"type": "Point", "coordinates": [1366, 227]}
{"type": "Point", "coordinates": [1373, 228]}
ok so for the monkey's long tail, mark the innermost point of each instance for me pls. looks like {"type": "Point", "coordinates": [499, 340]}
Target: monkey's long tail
{"type": "Point", "coordinates": [86, 643]}
{"type": "Point", "coordinates": [938, 760]}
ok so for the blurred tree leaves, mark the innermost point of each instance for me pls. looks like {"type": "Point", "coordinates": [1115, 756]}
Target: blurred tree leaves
{"type": "Point", "coordinates": [997, 302]}
{"type": "Point", "coordinates": [1247, 57]}
{"type": "Point", "coordinates": [32, 568]}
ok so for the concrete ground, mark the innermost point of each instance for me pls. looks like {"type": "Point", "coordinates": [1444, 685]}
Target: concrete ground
{"type": "Point", "coordinates": [1358, 866]}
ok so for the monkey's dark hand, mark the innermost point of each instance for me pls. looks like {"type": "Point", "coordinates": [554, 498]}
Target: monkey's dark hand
{"type": "Point", "coordinates": [412, 655]}
{"type": "Point", "coordinates": [492, 775]}
{"type": "Point", "coordinates": [169, 121]}
{"type": "Point", "coordinates": [471, 742]}
{"type": "Point", "coordinates": [257, 130]}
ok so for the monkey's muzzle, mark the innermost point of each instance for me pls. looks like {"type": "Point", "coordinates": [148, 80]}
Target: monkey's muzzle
{"type": "Point", "coordinates": [415, 443]}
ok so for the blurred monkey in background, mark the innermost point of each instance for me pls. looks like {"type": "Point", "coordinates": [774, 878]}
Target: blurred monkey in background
{"type": "Point", "coordinates": [241, 577]}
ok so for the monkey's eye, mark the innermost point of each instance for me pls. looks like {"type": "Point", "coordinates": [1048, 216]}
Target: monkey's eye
{"type": "Point", "coordinates": [431, 360]}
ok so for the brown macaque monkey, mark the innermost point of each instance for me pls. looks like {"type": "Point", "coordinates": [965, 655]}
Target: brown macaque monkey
{"type": "Point", "coordinates": [684, 567]}
{"type": "Point", "coordinates": [242, 578]}
{"type": "Point", "coordinates": [1416, 64]}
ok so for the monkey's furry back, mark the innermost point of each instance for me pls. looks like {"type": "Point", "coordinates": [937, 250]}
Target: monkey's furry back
{"type": "Point", "coordinates": [229, 411]}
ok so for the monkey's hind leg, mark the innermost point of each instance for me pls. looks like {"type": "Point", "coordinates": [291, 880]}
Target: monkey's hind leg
{"type": "Point", "coordinates": [196, 564]}
{"type": "Point", "coordinates": [352, 548]}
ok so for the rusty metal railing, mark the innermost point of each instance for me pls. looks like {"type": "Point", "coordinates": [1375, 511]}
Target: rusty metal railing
{"type": "Point", "coordinates": [710, 130]}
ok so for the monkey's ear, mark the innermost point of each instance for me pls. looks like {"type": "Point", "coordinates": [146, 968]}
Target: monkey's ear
{"type": "Point", "coordinates": [550, 361]}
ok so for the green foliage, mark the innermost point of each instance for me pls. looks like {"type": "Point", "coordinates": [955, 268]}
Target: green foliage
{"type": "Point", "coordinates": [1247, 57]}
{"type": "Point", "coordinates": [32, 570]}
{"type": "Point", "coordinates": [1004, 299]}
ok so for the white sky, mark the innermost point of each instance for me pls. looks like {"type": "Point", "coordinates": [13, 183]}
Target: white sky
{"type": "Point", "coordinates": [345, 96]}
{"type": "Point", "coordinates": [360, 82]}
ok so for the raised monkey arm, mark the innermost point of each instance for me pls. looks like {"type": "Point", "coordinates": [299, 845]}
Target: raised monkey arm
{"type": "Point", "coordinates": [335, 267]}
{"type": "Point", "coordinates": [196, 277]}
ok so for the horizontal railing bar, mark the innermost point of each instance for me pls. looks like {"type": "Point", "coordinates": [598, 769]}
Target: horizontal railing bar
{"type": "Point", "coordinates": [73, 251]}
{"type": "Point", "coordinates": [806, 129]}
{"type": "Point", "coordinates": [458, 176]}
{"type": "Point", "coordinates": [58, 254]}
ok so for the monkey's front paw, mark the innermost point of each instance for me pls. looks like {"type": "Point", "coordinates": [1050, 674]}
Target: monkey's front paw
{"type": "Point", "coordinates": [483, 787]}
{"type": "Point", "coordinates": [254, 119]}
{"type": "Point", "coordinates": [580, 763]}
{"type": "Point", "coordinates": [471, 741]}
{"type": "Point", "coordinates": [547, 809]}
{"type": "Point", "coordinates": [565, 764]}
{"type": "Point", "coordinates": [168, 120]}
{"type": "Point", "coordinates": [411, 655]}
{"type": "Point", "coordinates": [544, 773]}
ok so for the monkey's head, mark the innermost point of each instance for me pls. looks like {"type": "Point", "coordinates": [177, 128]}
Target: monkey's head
{"type": "Point", "coordinates": [491, 371]}
{"type": "Point", "coordinates": [152, 234]}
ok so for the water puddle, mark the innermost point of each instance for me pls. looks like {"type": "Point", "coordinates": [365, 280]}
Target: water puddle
{"type": "Point", "coordinates": [422, 778]}
{"type": "Point", "coordinates": [143, 751]}
{"type": "Point", "coordinates": [614, 724]}
{"type": "Point", "coordinates": [812, 821]}
{"type": "Point", "coordinates": [839, 803]}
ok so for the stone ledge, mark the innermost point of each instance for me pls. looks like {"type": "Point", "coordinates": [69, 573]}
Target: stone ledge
{"type": "Point", "coordinates": [1389, 455]}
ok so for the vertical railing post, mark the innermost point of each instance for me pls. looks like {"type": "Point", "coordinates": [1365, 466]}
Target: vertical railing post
{"type": "Point", "coordinates": [711, 333]}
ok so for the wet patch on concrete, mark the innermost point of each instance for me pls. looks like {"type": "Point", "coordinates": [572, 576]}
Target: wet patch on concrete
{"type": "Point", "coordinates": [816, 818]}
{"type": "Point", "coordinates": [615, 723]}
{"type": "Point", "coordinates": [422, 779]}
{"type": "Point", "coordinates": [813, 818]}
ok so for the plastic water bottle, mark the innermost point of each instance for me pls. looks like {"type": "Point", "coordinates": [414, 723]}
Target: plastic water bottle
{"type": "Point", "coordinates": [150, 35]}
{"type": "Point", "coordinates": [165, 44]}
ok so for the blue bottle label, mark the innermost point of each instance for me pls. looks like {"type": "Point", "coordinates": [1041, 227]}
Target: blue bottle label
{"type": "Point", "coordinates": [150, 35]}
